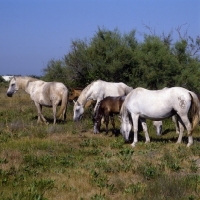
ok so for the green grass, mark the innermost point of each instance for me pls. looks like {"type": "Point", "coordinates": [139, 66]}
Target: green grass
{"type": "Point", "coordinates": [67, 161]}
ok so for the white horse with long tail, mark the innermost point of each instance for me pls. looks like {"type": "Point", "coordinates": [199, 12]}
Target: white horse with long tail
{"type": "Point", "coordinates": [155, 105]}
{"type": "Point", "coordinates": [48, 94]}
{"type": "Point", "coordinates": [97, 91]}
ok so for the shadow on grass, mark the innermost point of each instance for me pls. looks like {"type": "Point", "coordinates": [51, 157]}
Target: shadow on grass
{"type": "Point", "coordinates": [50, 120]}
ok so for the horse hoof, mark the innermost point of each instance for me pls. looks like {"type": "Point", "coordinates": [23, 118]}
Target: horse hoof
{"type": "Point", "coordinates": [189, 144]}
{"type": "Point", "coordinates": [133, 145]}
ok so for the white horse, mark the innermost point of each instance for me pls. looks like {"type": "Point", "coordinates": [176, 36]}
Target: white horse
{"type": "Point", "coordinates": [49, 94]}
{"type": "Point", "coordinates": [157, 105]}
{"type": "Point", "coordinates": [97, 91]}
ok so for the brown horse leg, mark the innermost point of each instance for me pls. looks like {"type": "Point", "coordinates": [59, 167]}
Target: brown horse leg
{"type": "Point", "coordinates": [113, 123]}
{"type": "Point", "coordinates": [106, 117]}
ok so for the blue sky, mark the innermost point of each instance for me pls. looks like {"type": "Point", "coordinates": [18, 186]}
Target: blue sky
{"type": "Point", "coordinates": [32, 32]}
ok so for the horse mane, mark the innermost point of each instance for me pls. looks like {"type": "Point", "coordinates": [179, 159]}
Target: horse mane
{"type": "Point", "coordinates": [89, 86]}
{"type": "Point", "coordinates": [123, 110]}
{"type": "Point", "coordinates": [84, 91]}
{"type": "Point", "coordinates": [77, 88]}
{"type": "Point", "coordinates": [26, 77]}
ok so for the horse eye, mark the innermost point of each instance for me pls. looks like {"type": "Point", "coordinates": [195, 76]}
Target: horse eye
{"type": "Point", "coordinates": [12, 84]}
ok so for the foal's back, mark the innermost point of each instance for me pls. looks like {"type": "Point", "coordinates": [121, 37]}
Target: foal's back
{"type": "Point", "coordinates": [112, 104]}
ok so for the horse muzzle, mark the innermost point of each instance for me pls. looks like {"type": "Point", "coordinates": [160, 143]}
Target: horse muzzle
{"type": "Point", "coordinates": [9, 94]}
{"type": "Point", "coordinates": [96, 130]}
{"type": "Point", "coordinates": [77, 118]}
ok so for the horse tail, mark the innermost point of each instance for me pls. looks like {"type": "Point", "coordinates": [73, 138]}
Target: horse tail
{"type": "Point", "coordinates": [195, 109]}
{"type": "Point", "coordinates": [65, 97]}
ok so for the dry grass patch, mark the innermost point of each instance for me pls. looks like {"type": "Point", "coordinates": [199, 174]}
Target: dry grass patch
{"type": "Point", "coordinates": [10, 158]}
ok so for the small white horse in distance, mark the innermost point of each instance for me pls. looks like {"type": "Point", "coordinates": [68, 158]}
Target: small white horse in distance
{"type": "Point", "coordinates": [97, 91]}
{"type": "Point", "coordinates": [158, 125]}
{"type": "Point", "coordinates": [157, 105]}
{"type": "Point", "coordinates": [48, 94]}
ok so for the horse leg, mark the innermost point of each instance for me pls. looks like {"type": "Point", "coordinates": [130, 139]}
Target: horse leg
{"type": "Point", "coordinates": [144, 126]}
{"type": "Point", "coordinates": [40, 116]}
{"type": "Point", "coordinates": [181, 130]}
{"type": "Point", "coordinates": [158, 126]}
{"type": "Point", "coordinates": [64, 114]}
{"type": "Point", "coordinates": [113, 123]}
{"type": "Point", "coordinates": [54, 114]}
{"type": "Point", "coordinates": [184, 121]}
{"type": "Point", "coordinates": [96, 104]}
{"type": "Point", "coordinates": [174, 119]}
{"type": "Point", "coordinates": [135, 128]}
{"type": "Point", "coordinates": [106, 116]}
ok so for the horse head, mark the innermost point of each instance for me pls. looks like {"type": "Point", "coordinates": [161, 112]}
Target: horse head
{"type": "Point", "coordinates": [78, 111]}
{"type": "Point", "coordinates": [125, 127]}
{"type": "Point", "coordinates": [13, 87]}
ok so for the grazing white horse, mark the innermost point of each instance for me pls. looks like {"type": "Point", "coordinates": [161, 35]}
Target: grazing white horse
{"type": "Point", "coordinates": [157, 105]}
{"type": "Point", "coordinates": [49, 94]}
{"type": "Point", "coordinates": [97, 91]}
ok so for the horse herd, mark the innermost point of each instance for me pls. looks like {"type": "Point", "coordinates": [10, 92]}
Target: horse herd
{"type": "Point", "coordinates": [134, 106]}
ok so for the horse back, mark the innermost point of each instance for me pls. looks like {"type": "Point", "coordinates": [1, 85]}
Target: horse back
{"type": "Point", "coordinates": [104, 89]}
{"type": "Point", "coordinates": [112, 104]}
{"type": "Point", "coordinates": [47, 92]}
{"type": "Point", "coordinates": [158, 102]}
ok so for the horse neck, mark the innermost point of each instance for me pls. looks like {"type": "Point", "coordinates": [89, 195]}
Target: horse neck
{"type": "Point", "coordinates": [22, 84]}
{"type": "Point", "coordinates": [72, 97]}
{"type": "Point", "coordinates": [82, 99]}
{"type": "Point", "coordinates": [29, 85]}
{"type": "Point", "coordinates": [76, 94]}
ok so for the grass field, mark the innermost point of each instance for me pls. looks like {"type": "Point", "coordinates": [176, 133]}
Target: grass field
{"type": "Point", "coordinates": [67, 161]}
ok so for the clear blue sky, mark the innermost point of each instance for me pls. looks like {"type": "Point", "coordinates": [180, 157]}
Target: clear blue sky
{"type": "Point", "coordinates": [32, 32]}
